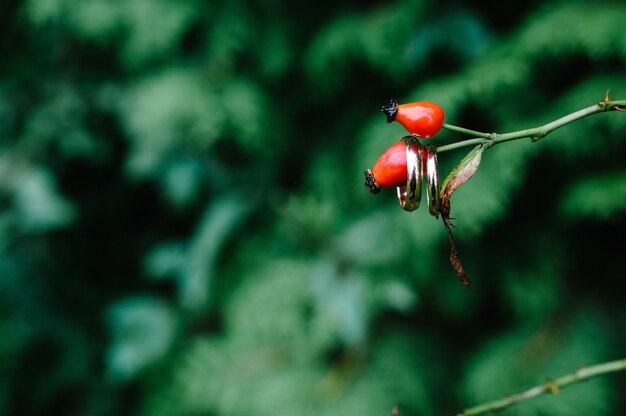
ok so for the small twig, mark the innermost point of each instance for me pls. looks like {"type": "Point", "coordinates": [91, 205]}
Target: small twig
{"type": "Point", "coordinates": [534, 134]}
{"type": "Point", "coordinates": [550, 386]}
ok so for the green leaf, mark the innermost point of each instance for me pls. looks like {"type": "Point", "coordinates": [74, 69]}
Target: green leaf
{"type": "Point", "coordinates": [601, 197]}
{"type": "Point", "coordinates": [165, 112]}
{"type": "Point", "coordinates": [143, 329]}
{"type": "Point", "coordinates": [219, 222]}
{"type": "Point", "coordinates": [38, 204]}
{"type": "Point", "coordinates": [140, 17]}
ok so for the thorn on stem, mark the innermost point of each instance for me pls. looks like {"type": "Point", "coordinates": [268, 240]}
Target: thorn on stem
{"type": "Point", "coordinates": [551, 386]}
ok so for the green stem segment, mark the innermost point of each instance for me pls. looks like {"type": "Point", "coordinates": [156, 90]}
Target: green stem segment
{"type": "Point", "coordinates": [490, 139]}
{"type": "Point", "coordinates": [550, 386]}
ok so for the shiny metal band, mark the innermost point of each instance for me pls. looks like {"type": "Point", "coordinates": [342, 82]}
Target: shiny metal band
{"type": "Point", "coordinates": [432, 180]}
{"type": "Point", "coordinates": [410, 195]}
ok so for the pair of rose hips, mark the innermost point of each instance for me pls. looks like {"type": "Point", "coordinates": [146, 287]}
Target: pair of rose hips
{"type": "Point", "coordinates": [404, 164]}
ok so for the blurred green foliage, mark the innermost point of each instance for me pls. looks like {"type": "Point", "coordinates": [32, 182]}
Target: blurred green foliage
{"type": "Point", "coordinates": [184, 228]}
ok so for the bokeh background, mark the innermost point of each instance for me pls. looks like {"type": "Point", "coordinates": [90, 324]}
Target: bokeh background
{"type": "Point", "coordinates": [184, 228]}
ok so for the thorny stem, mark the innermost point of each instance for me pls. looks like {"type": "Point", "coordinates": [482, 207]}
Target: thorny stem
{"type": "Point", "coordinates": [490, 139]}
{"type": "Point", "coordinates": [550, 386]}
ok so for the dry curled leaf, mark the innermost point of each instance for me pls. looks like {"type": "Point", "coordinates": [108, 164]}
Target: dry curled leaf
{"type": "Point", "coordinates": [455, 258]}
{"type": "Point", "coordinates": [462, 172]}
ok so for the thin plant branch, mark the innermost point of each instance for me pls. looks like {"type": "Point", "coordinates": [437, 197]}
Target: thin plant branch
{"type": "Point", "coordinates": [490, 139]}
{"type": "Point", "coordinates": [550, 386]}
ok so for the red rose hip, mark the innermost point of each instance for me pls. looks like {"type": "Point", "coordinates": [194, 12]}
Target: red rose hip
{"type": "Point", "coordinates": [422, 119]}
{"type": "Point", "coordinates": [390, 169]}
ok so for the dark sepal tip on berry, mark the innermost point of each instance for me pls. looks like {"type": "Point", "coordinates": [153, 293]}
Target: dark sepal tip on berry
{"type": "Point", "coordinates": [370, 182]}
{"type": "Point", "coordinates": [390, 110]}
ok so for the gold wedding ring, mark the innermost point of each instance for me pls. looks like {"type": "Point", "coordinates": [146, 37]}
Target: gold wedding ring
{"type": "Point", "coordinates": [410, 195]}
{"type": "Point", "coordinates": [431, 170]}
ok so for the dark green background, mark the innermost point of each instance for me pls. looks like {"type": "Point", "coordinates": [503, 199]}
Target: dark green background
{"type": "Point", "coordinates": [184, 228]}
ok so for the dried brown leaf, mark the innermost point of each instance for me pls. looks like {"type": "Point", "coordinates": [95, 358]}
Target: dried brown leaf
{"type": "Point", "coordinates": [455, 257]}
{"type": "Point", "coordinates": [461, 173]}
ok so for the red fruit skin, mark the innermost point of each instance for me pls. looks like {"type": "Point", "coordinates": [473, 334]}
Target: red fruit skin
{"type": "Point", "coordinates": [390, 168]}
{"type": "Point", "coordinates": [422, 119]}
